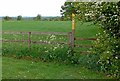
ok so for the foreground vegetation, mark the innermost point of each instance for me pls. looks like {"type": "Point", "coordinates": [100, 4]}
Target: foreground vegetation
{"type": "Point", "coordinates": [31, 69]}
{"type": "Point", "coordinates": [48, 53]}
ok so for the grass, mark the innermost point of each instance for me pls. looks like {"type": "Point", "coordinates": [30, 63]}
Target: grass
{"type": "Point", "coordinates": [50, 26]}
{"type": "Point", "coordinates": [45, 70]}
{"type": "Point", "coordinates": [85, 30]}
{"type": "Point", "coordinates": [26, 69]}
{"type": "Point", "coordinates": [82, 30]}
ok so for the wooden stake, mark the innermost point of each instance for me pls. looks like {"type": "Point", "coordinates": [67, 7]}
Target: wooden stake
{"type": "Point", "coordinates": [73, 29]}
{"type": "Point", "coordinates": [29, 40]}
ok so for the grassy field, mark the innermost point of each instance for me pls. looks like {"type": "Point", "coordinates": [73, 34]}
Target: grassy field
{"type": "Point", "coordinates": [85, 30]}
{"type": "Point", "coordinates": [82, 30]}
{"type": "Point", "coordinates": [52, 26]}
{"type": "Point", "coordinates": [24, 69]}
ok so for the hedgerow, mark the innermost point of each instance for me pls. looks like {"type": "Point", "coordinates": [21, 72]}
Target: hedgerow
{"type": "Point", "coordinates": [107, 45]}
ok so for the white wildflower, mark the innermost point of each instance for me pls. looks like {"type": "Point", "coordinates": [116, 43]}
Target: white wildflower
{"type": "Point", "coordinates": [107, 61]}
{"type": "Point", "coordinates": [45, 47]}
{"type": "Point", "coordinates": [46, 51]}
{"type": "Point", "coordinates": [50, 55]}
{"type": "Point", "coordinates": [104, 31]}
{"type": "Point", "coordinates": [62, 46]}
{"type": "Point", "coordinates": [113, 50]}
{"type": "Point", "coordinates": [97, 39]}
{"type": "Point", "coordinates": [40, 40]}
{"type": "Point", "coordinates": [116, 57]}
{"type": "Point", "coordinates": [25, 76]}
{"type": "Point", "coordinates": [49, 42]}
{"type": "Point", "coordinates": [108, 52]}
{"type": "Point", "coordinates": [54, 48]}
{"type": "Point", "coordinates": [98, 33]}
{"type": "Point", "coordinates": [53, 37]}
{"type": "Point", "coordinates": [115, 15]}
{"type": "Point", "coordinates": [116, 19]}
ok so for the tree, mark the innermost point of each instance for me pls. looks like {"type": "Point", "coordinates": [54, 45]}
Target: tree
{"type": "Point", "coordinates": [38, 17]}
{"type": "Point", "coordinates": [84, 11]}
{"type": "Point", "coordinates": [19, 17]}
{"type": "Point", "coordinates": [7, 18]}
{"type": "Point", "coordinates": [67, 9]}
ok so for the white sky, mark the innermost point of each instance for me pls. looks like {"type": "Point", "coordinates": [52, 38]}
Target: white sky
{"type": "Point", "coordinates": [30, 7]}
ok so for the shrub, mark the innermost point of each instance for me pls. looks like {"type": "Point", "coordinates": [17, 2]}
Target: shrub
{"type": "Point", "coordinates": [107, 50]}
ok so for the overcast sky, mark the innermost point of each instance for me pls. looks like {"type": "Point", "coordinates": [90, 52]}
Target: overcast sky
{"type": "Point", "coordinates": [30, 7]}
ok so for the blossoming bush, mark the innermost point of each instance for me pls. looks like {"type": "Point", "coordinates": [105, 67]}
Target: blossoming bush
{"type": "Point", "coordinates": [106, 49]}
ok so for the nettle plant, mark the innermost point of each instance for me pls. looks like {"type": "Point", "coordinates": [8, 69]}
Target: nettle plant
{"type": "Point", "coordinates": [107, 46]}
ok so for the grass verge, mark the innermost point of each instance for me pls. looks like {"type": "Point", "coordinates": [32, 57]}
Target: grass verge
{"type": "Point", "coordinates": [27, 69]}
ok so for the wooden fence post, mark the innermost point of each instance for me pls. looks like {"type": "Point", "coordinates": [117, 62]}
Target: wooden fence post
{"type": "Point", "coordinates": [73, 29]}
{"type": "Point", "coordinates": [70, 39]}
{"type": "Point", "coordinates": [29, 40]}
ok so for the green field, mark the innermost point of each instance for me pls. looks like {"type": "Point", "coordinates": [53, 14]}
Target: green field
{"type": "Point", "coordinates": [52, 26]}
{"type": "Point", "coordinates": [46, 53]}
{"type": "Point", "coordinates": [82, 30]}
{"type": "Point", "coordinates": [24, 69]}
{"type": "Point", "coordinates": [85, 30]}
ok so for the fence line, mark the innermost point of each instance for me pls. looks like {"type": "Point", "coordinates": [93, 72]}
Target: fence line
{"type": "Point", "coordinates": [36, 42]}
{"type": "Point", "coordinates": [69, 35]}
{"type": "Point", "coordinates": [40, 33]}
{"type": "Point", "coordinates": [85, 39]}
{"type": "Point", "coordinates": [29, 40]}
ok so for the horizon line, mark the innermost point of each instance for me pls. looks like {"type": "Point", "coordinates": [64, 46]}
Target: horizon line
{"type": "Point", "coordinates": [31, 16]}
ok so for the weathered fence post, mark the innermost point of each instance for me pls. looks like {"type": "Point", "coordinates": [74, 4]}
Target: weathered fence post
{"type": "Point", "coordinates": [29, 40]}
{"type": "Point", "coordinates": [73, 29]}
{"type": "Point", "coordinates": [70, 39]}
{"type": "Point", "coordinates": [71, 36]}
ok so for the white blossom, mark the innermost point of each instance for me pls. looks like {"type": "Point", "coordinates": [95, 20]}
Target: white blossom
{"type": "Point", "coordinates": [116, 57]}
{"type": "Point", "coordinates": [108, 52]}
{"type": "Point", "coordinates": [46, 51]}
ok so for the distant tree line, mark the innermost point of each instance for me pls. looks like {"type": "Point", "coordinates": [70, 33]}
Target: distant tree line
{"type": "Point", "coordinates": [7, 18]}
{"type": "Point", "coordinates": [19, 17]}
{"type": "Point", "coordinates": [37, 18]}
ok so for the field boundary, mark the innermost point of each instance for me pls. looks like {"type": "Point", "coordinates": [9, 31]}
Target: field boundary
{"type": "Point", "coordinates": [30, 41]}
{"type": "Point", "coordinates": [70, 39]}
